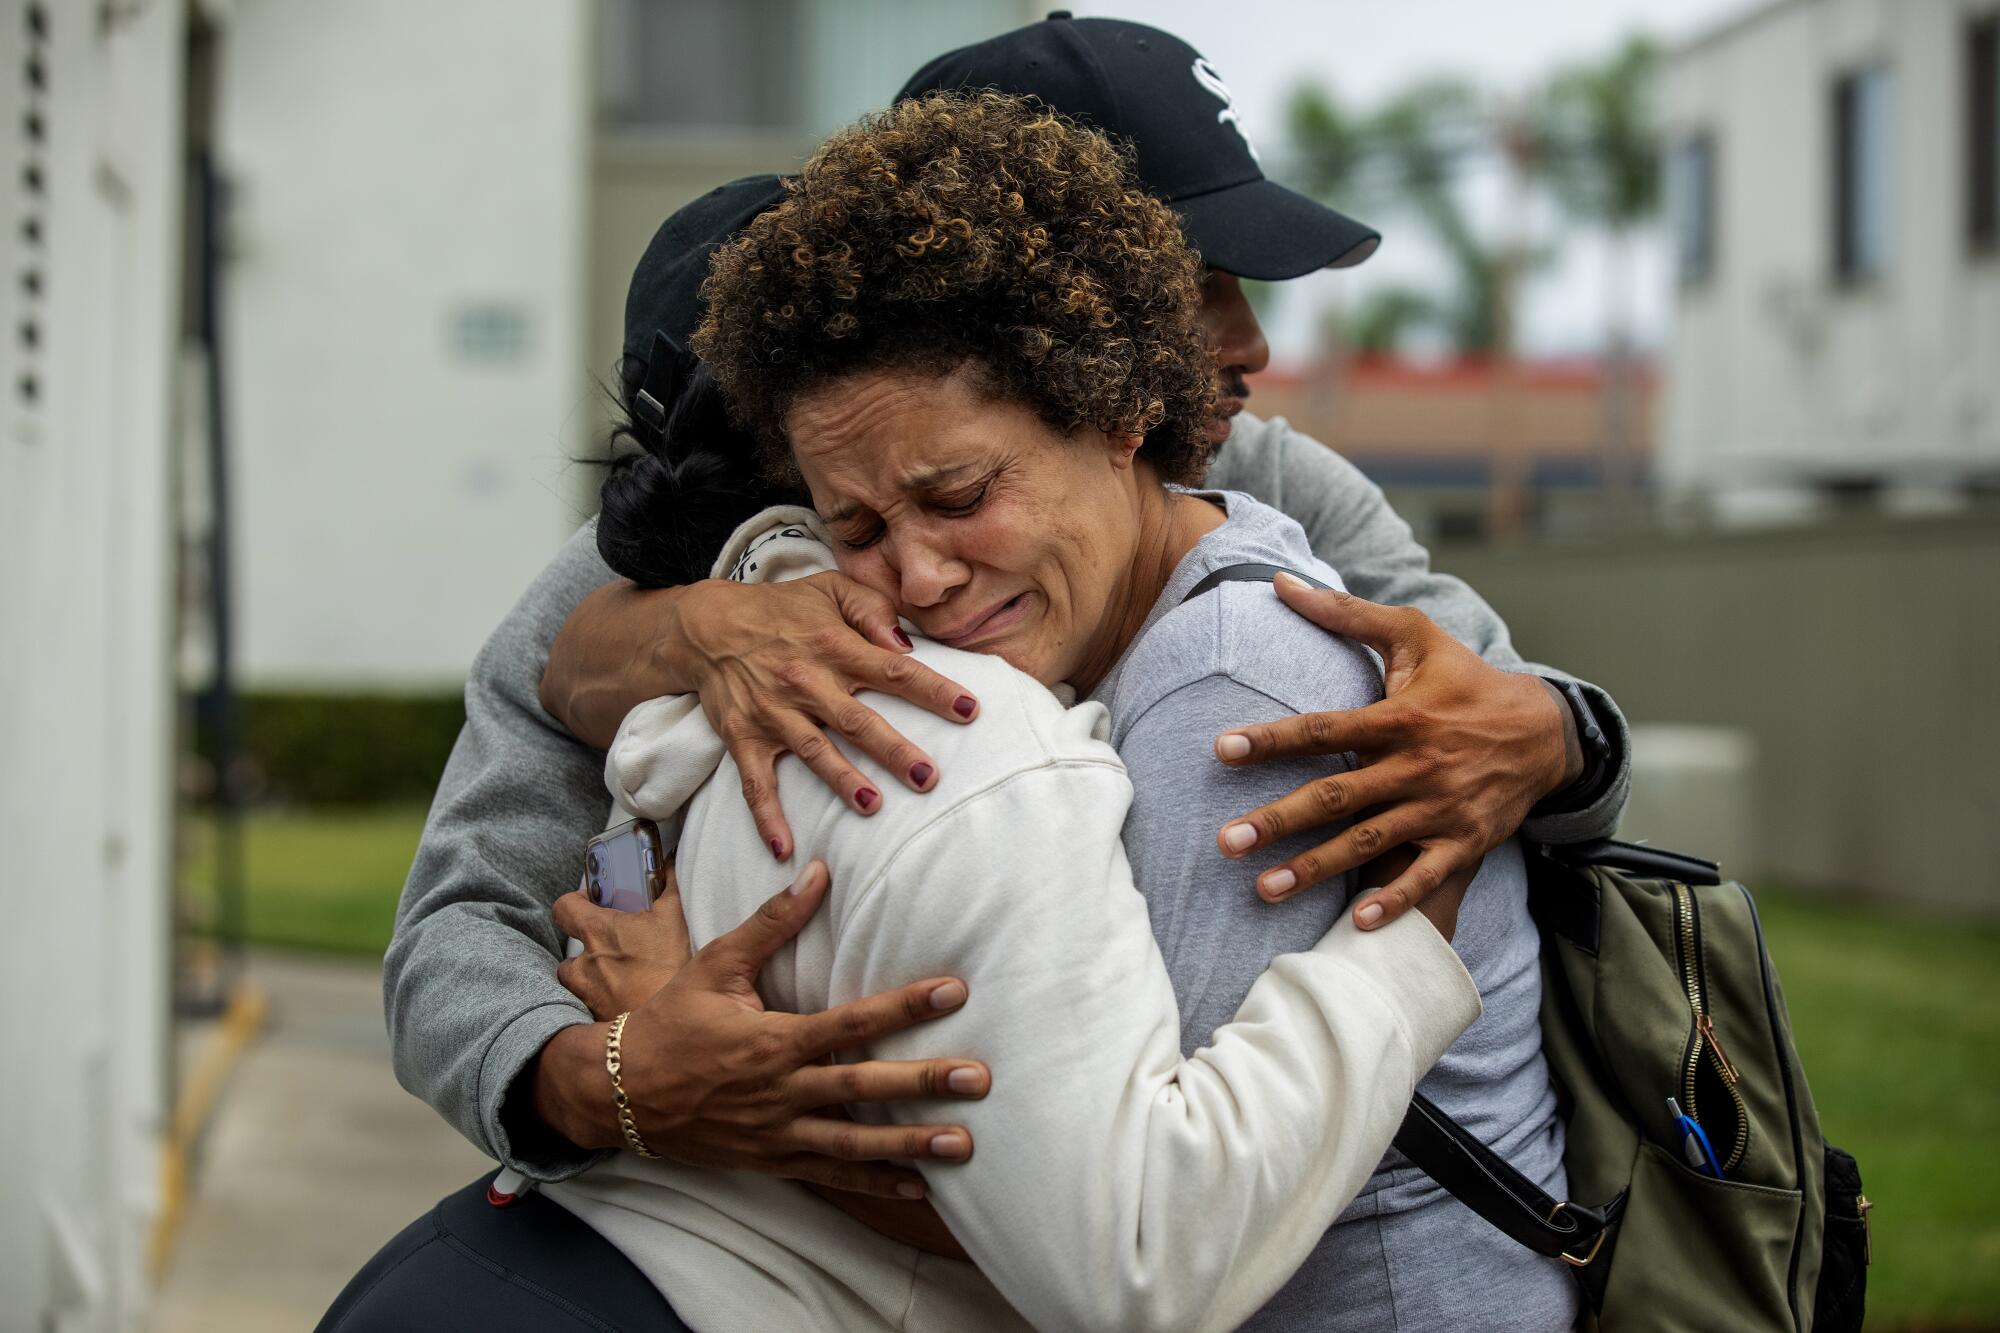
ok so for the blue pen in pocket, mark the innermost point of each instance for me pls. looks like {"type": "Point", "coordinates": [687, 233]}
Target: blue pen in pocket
{"type": "Point", "coordinates": [1695, 1146]}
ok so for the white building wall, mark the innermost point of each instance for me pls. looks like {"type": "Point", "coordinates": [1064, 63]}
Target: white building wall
{"type": "Point", "coordinates": [86, 721]}
{"type": "Point", "coordinates": [1782, 376]}
{"type": "Point", "coordinates": [405, 324]}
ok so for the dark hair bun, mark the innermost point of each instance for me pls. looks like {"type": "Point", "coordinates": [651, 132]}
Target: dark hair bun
{"type": "Point", "coordinates": [667, 509]}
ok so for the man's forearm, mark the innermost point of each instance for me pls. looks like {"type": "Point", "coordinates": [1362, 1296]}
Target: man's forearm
{"type": "Point", "coordinates": [569, 1088]}
{"type": "Point", "coordinates": [469, 980]}
{"type": "Point", "coordinates": [608, 658]}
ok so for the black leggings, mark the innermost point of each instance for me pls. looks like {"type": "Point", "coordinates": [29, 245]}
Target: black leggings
{"type": "Point", "coordinates": [469, 1267]}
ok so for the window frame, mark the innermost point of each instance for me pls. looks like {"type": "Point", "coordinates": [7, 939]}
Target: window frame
{"type": "Point", "coordinates": [1846, 144]}
{"type": "Point", "coordinates": [1981, 106]}
{"type": "Point", "coordinates": [1704, 140]}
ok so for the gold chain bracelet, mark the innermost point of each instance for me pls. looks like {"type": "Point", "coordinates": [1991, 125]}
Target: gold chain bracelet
{"type": "Point", "coordinates": [614, 1060]}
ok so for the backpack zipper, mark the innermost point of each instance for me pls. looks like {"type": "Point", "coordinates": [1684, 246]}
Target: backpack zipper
{"type": "Point", "coordinates": [1703, 1036]}
{"type": "Point", "coordinates": [1706, 1025]}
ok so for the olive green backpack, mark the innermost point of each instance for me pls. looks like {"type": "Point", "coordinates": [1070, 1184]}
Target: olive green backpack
{"type": "Point", "coordinates": [1656, 984]}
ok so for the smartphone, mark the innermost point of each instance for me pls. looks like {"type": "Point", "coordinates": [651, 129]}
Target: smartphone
{"type": "Point", "coordinates": [625, 868]}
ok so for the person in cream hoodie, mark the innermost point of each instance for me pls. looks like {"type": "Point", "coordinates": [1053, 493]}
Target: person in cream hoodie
{"type": "Point", "coordinates": [1116, 1184]}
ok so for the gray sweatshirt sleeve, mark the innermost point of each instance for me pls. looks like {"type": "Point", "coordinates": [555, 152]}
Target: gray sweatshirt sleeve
{"type": "Point", "coordinates": [1351, 527]}
{"type": "Point", "coordinates": [469, 983]}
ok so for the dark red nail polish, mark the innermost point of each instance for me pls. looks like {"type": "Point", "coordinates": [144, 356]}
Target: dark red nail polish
{"type": "Point", "coordinates": [778, 849]}
{"type": "Point", "coordinates": [866, 798]}
{"type": "Point", "coordinates": [901, 637]}
{"type": "Point", "coordinates": [921, 773]}
{"type": "Point", "coordinates": [964, 704]}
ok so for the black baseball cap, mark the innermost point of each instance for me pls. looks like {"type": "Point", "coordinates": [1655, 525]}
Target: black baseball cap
{"type": "Point", "coordinates": [1152, 88]}
{"type": "Point", "coordinates": [664, 299]}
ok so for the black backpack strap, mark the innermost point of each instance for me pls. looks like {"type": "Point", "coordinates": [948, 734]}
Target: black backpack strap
{"type": "Point", "coordinates": [1483, 1181]}
{"type": "Point", "coordinates": [1251, 573]}
{"type": "Point", "coordinates": [1635, 859]}
{"type": "Point", "coordinates": [1447, 1151]}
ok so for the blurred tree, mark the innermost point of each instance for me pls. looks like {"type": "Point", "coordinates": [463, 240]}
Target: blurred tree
{"type": "Point", "coordinates": [1331, 142]}
{"type": "Point", "coordinates": [1598, 149]}
{"type": "Point", "coordinates": [1587, 135]}
{"type": "Point", "coordinates": [1405, 158]}
{"type": "Point", "coordinates": [1384, 320]}
{"type": "Point", "coordinates": [1421, 135]}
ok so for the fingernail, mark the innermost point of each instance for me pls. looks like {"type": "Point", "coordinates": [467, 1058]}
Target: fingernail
{"type": "Point", "coordinates": [948, 996]}
{"type": "Point", "coordinates": [910, 1189]}
{"type": "Point", "coordinates": [964, 705]}
{"type": "Point", "coordinates": [778, 849]}
{"type": "Point", "coordinates": [866, 798]}
{"type": "Point", "coordinates": [1277, 882]}
{"type": "Point", "coordinates": [796, 887]}
{"type": "Point", "coordinates": [921, 773]}
{"type": "Point", "coordinates": [1369, 914]}
{"type": "Point", "coordinates": [1232, 747]}
{"type": "Point", "coordinates": [948, 1145]}
{"type": "Point", "coordinates": [901, 637]}
{"type": "Point", "coordinates": [1293, 581]}
{"type": "Point", "coordinates": [1239, 837]}
{"type": "Point", "coordinates": [967, 1080]}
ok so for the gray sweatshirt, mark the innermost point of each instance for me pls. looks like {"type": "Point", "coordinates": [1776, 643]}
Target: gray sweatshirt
{"type": "Point", "coordinates": [469, 982]}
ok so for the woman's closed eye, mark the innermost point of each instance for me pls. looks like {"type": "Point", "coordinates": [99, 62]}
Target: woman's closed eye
{"type": "Point", "coordinates": [859, 534]}
{"type": "Point", "coordinates": [858, 538]}
{"type": "Point", "coordinates": [960, 503]}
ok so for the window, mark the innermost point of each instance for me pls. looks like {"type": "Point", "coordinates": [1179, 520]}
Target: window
{"type": "Point", "coordinates": [1982, 134]}
{"type": "Point", "coordinates": [1862, 197]}
{"type": "Point", "coordinates": [1691, 199]}
{"type": "Point", "coordinates": [721, 64]}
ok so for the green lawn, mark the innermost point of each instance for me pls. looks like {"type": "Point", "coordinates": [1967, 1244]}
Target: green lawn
{"type": "Point", "coordinates": [326, 880]}
{"type": "Point", "coordinates": [1897, 1018]}
{"type": "Point", "coordinates": [1898, 1021]}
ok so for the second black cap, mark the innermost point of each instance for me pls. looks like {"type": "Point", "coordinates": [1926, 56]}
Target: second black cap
{"type": "Point", "coordinates": [1152, 88]}
{"type": "Point", "coordinates": [665, 295]}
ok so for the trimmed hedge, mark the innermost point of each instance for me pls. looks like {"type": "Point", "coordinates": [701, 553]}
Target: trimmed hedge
{"type": "Point", "coordinates": [341, 749]}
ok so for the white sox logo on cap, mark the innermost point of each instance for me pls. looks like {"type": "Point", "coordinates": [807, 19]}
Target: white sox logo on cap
{"type": "Point", "coordinates": [1205, 75]}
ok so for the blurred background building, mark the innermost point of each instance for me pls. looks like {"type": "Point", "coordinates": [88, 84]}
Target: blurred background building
{"type": "Point", "coordinates": [1835, 179]}
{"type": "Point", "coordinates": [1684, 348]}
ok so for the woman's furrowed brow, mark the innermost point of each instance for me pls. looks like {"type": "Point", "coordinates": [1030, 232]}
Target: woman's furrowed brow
{"type": "Point", "coordinates": [924, 478]}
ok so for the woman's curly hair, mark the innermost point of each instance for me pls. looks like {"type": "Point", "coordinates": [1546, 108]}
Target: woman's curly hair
{"type": "Point", "coordinates": [970, 228]}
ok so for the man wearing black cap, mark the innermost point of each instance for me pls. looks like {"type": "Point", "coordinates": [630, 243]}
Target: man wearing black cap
{"type": "Point", "coordinates": [1457, 756]}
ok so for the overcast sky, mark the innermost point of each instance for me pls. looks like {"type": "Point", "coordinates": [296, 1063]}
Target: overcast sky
{"type": "Point", "coordinates": [1366, 49]}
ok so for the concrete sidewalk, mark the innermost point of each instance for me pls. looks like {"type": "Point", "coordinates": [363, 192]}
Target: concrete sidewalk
{"type": "Point", "coordinates": [316, 1157]}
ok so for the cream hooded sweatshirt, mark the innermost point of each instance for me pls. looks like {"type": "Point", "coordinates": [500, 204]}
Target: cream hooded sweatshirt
{"type": "Point", "coordinates": [1114, 1185]}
